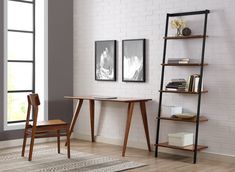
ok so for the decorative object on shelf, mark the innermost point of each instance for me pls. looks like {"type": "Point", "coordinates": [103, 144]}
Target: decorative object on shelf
{"type": "Point", "coordinates": [176, 110]}
{"type": "Point", "coordinates": [185, 115]}
{"type": "Point", "coordinates": [186, 31]}
{"type": "Point", "coordinates": [133, 60]}
{"type": "Point", "coordinates": [191, 120]}
{"type": "Point", "coordinates": [178, 24]}
{"type": "Point", "coordinates": [180, 139]}
{"type": "Point", "coordinates": [166, 110]}
{"type": "Point", "coordinates": [105, 60]}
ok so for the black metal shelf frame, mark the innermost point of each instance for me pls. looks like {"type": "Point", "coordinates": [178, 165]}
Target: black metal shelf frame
{"type": "Point", "coordinates": [204, 12]}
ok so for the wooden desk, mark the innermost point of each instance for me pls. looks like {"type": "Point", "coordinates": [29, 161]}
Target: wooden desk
{"type": "Point", "coordinates": [130, 101]}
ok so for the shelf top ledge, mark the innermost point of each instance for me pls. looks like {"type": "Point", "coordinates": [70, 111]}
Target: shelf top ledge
{"type": "Point", "coordinates": [186, 148]}
{"type": "Point", "coordinates": [182, 92]}
{"type": "Point", "coordinates": [192, 120]}
{"type": "Point", "coordinates": [185, 37]}
{"type": "Point", "coordinates": [184, 64]}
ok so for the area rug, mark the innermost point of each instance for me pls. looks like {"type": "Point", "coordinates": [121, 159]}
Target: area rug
{"type": "Point", "coordinates": [46, 159]}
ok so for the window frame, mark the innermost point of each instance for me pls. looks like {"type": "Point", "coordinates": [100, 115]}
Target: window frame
{"type": "Point", "coordinates": [22, 61]}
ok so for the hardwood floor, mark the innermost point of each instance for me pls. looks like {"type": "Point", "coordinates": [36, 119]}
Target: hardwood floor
{"type": "Point", "coordinates": [165, 162]}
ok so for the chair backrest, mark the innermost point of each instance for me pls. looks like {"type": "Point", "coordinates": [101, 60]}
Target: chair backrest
{"type": "Point", "coordinates": [34, 100]}
{"type": "Point", "coordinates": [33, 103]}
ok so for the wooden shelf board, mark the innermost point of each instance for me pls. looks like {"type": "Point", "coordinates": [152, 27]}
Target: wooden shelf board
{"type": "Point", "coordinates": [193, 120]}
{"type": "Point", "coordinates": [185, 148]}
{"type": "Point", "coordinates": [182, 92]}
{"type": "Point", "coordinates": [188, 64]}
{"type": "Point", "coordinates": [184, 37]}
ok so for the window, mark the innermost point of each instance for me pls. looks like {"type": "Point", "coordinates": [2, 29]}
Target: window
{"type": "Point", "coordinates": [20, 57]}
{"type": "Point", "coordinates": [25, 57]}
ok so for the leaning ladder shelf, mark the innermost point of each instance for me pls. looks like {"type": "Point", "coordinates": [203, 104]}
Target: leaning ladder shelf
{"type": "Point", "coordinates": [195, 147]}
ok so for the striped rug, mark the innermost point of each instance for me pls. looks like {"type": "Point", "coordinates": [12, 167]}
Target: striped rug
{"type": "Point", "coordinates": [46, 159]}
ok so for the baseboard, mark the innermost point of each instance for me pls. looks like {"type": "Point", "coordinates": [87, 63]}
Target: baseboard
{"type": "Point", "coordinates": [142, 145]}
{"type": "Point", "coordinates": [131, 144]}
{"type": "Point", "coordinates": [19, 142]}
{"type": "Point", "coordinates": [119, 142]}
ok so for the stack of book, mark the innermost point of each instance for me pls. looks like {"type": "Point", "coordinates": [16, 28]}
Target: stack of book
{"type": "Point", "coordinates": [178, 60]}
{"type": "Point", "coordinates": [176, 85]}
{"type": "Point", "coordinates": [193, 83]}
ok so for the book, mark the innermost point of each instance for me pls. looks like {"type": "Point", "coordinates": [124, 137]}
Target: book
{"type": "Point", "coordinates": [171, 89]}
{"type": "Point", "coordinates": [192, 84]}
{"type": "Point", "coordinates": [178, 84]}
{"type": "Point", "coordinates": [104, 97]}
{"type": "Point", "coordinates": [182, 61]}
{"type": "Point", "coordinates": [178, 60]}
{"type": "Point", "coordinates": [189, 84]}
{"type": "Point", "coordinates": [178, 80]}
{"type": "Point", "coordinates": [196, 84]}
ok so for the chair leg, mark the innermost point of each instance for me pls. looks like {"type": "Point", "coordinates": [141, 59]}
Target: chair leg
{"type": "Point", "coordinates": [24, 144]}
{"type": "Point", "coordinates": [68, 141]}
{"type": "Point", "coordinates": [31, 146]}
{"type": "Point", "coordinates": [31, 149]}
{"type": "Point", "coordinates": [58, 140]}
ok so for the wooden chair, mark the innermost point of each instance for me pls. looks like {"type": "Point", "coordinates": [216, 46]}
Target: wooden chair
{"type": "Point", "coordinates": [50, 128]}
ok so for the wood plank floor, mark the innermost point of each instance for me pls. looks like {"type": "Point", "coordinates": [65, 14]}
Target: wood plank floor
{"type": "Point", "coordinates": [165, 162]}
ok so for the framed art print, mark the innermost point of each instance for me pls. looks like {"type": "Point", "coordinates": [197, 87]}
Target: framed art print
{"type": "Point", "coordinates": [105, 60]}
{"type": "Point", "coordinates": [133, 60]}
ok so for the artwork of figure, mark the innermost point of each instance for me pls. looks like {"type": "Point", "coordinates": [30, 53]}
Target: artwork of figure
{"type": "Point", "coordinates": [105, 57]}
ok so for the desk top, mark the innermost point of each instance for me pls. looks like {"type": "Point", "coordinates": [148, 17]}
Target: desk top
{"type": "Point", "coordinates": [108, 98]}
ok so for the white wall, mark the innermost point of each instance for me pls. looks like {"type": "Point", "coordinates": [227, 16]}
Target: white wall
{"type": "Point", "coordinates": [130, 19]}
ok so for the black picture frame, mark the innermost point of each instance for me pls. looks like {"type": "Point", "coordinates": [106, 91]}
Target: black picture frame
{"type": "Point", "coordinates": [105, 60]}
{"type": "Point", "coordinates": [133, 60]}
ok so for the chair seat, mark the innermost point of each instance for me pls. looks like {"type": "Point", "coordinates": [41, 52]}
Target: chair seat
{"type": "Point", "coordinates": [49, 123]}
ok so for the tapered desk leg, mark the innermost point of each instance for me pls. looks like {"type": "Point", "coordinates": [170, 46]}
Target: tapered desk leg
{"type": "Point", "coordinates": [92, 118]}
{"type": "Point", "coordinates": [75, 116]}
{"type": "Point", "coordinates": [128, 124]}
{"type": "Point", "coordinates": [145, 122]}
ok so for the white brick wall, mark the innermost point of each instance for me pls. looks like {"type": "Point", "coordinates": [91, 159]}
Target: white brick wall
{"type": "Point", "coordinates": [129, 19]}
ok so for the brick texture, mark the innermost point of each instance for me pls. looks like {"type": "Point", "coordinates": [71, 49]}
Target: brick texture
{"type": "Point", "coordinates": [131, 19]}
